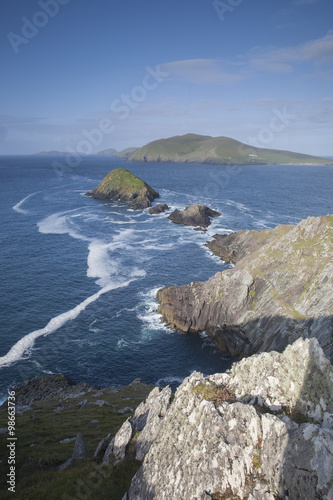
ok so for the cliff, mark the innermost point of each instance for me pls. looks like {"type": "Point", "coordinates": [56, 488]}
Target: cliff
{"type": "Point", "coordinates": [123, 186]}
{"type": "Point", "coordinates": [195, 148]}
{"type": "Point", "coordinates": [262, 431]}
{"type": "Point", "coordinates": [279, 290]}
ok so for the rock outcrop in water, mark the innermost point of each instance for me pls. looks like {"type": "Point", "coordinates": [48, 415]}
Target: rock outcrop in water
{"type": "Point", "coordinates": [123, 186]}
{"type": "Point", "coordinates": [262, 431]}
{"type": "Point", "coordinates": [194, 215]}
{"type": "Point", "coordinates": [280, 289]}
{"type": "Point", "coordinates": [158, 209]}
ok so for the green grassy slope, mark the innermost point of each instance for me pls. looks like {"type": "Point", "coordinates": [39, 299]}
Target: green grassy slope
{"type": "Point", "coordinates": [194, 148]}
{"type": "Point", "coordinates": [40, 432]}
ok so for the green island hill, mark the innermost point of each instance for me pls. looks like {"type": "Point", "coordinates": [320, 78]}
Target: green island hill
{"type": "Point", "coordinates": [122, 186]}
{"type": "Point", "coordinates": [192, 148]}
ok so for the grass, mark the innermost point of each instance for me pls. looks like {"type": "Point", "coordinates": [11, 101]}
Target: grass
{"type": "Point", "coordinates": [38, 448]}
{"type": "Point", "coordinates": [215, 393]}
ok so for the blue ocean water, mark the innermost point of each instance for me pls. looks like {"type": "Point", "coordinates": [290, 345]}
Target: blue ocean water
{"type": "Point", "coordinates": [79, 276]}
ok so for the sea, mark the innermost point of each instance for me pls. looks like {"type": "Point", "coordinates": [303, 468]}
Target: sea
{"type": "Point", "coordinates": [79, 276]}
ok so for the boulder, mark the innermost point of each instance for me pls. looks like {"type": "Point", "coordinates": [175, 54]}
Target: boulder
{"type": "Point", "coordinates": [79, 451]}
{"type": "Point", "coordinates": [158, 209]}
{"type": "Point", "coordinates": [194, 215]}
{"type": "Point", "coordinates": [102, 446]}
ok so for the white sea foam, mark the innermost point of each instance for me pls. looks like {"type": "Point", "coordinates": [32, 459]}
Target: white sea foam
{"type": "Point", "coordinates": [18, 205]}
{"type": "Point", "coordinates": [25, 344]}
{"type": "Point", "coordinates": [60, 223]}
{"type": "Point", "coordinates": [146, 312]}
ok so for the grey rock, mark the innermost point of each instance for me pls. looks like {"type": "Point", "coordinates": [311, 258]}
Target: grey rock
{"type": "Point", "coordinates": [108, 455]}
{"type": "Point", "coordinates": [102, 446]}
{"type": "Point", "coordinates": [99, 402]}
{"type": "Point", "coordinates": [194, 215]}
{"type": "Point", "coordinates": [158, 209]}
{"type": "Point", "coordinates": [79, 451]}
{"type": "Point", "coordinates": [3, 430]}
{"type": "Point", "coordinates": [230, 448]}
{"type": "Point", "coordinates": [121, 440]}
{"type": "Point", "coordinates": [127, 409]}
{"type": "Point", "coordinates": [68, 440]}
{"type": "Point", "coordinates": [151, 414]}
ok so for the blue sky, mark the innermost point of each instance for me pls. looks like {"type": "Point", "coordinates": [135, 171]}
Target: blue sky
{"type": "Point", "coordinates": [87, 75]}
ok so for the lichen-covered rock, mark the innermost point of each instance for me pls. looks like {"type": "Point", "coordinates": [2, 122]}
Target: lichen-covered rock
{"type": "Point", "coordinates": [148, 418]}
{"type": "Point", "coordinates": [194, 215]}
{"type": "Point", "coordinates": [280, 289]}
{"type": "Point", "coordinates": [123, 186]}
{"type": "Point", "coordinates": [232, 445]}
{"type": "Point", "coordinates": [121, 440]}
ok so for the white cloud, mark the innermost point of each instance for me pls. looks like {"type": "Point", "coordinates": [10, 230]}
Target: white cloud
{"type": "Point", "coordinates": [270, 60]}
{"type": "Point", "coordinates": [282, 60]}
{"type": "Point", "coordinates": [203, 71]}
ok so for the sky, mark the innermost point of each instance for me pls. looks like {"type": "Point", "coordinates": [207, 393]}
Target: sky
{"type": "Point", "coordinates": [84, 75]}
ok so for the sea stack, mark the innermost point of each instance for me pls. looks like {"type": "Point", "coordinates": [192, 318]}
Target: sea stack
{"type": "Point", "coordinates": [194, 215]}
{"type": "Point", "coordinates": [123, 186]}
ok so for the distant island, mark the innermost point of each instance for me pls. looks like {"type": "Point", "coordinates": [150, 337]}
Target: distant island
{"type": "Point", "coordinates": [124, 154]}
{"type": "Point", "coordinates": [192, 148]}
{"type": "Point", "coordinates": [55, 153]}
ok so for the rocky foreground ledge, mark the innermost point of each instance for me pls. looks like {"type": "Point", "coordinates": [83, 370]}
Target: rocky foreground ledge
{"type": "Point", "coordinates": [280, 289]}
{"type": "Point", "coordinates": [261, 431]}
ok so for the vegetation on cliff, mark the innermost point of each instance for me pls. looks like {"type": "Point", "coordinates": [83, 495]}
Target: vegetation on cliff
{"type": "Point", "coordinates": [123, 186]}
{"type": "Point", "coordinates": [280, 289]}
{"type": "Point", "coordinates": [194, 148]}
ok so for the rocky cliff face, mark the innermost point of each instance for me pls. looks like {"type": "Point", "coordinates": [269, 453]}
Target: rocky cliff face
{"type": "Point", "coordinates": [123, 186]}
{"type": "Point", "coordinates": [280, 289]}
{"type": "Point", "coordinates": [264, 430]}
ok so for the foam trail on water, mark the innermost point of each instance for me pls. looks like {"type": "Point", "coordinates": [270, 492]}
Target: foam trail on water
{"type": "Point", "coordinates": [59, 223]}
{"type": "Point", "coordinates": [18, 205]}
{"type": "Point", "coordinates": [27, 342]}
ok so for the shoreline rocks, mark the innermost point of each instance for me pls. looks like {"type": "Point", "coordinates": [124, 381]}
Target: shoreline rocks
{"type": "Point", "coordinates": [158, 209]}
{"type": "Point", "coordinates": [279, 290]}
